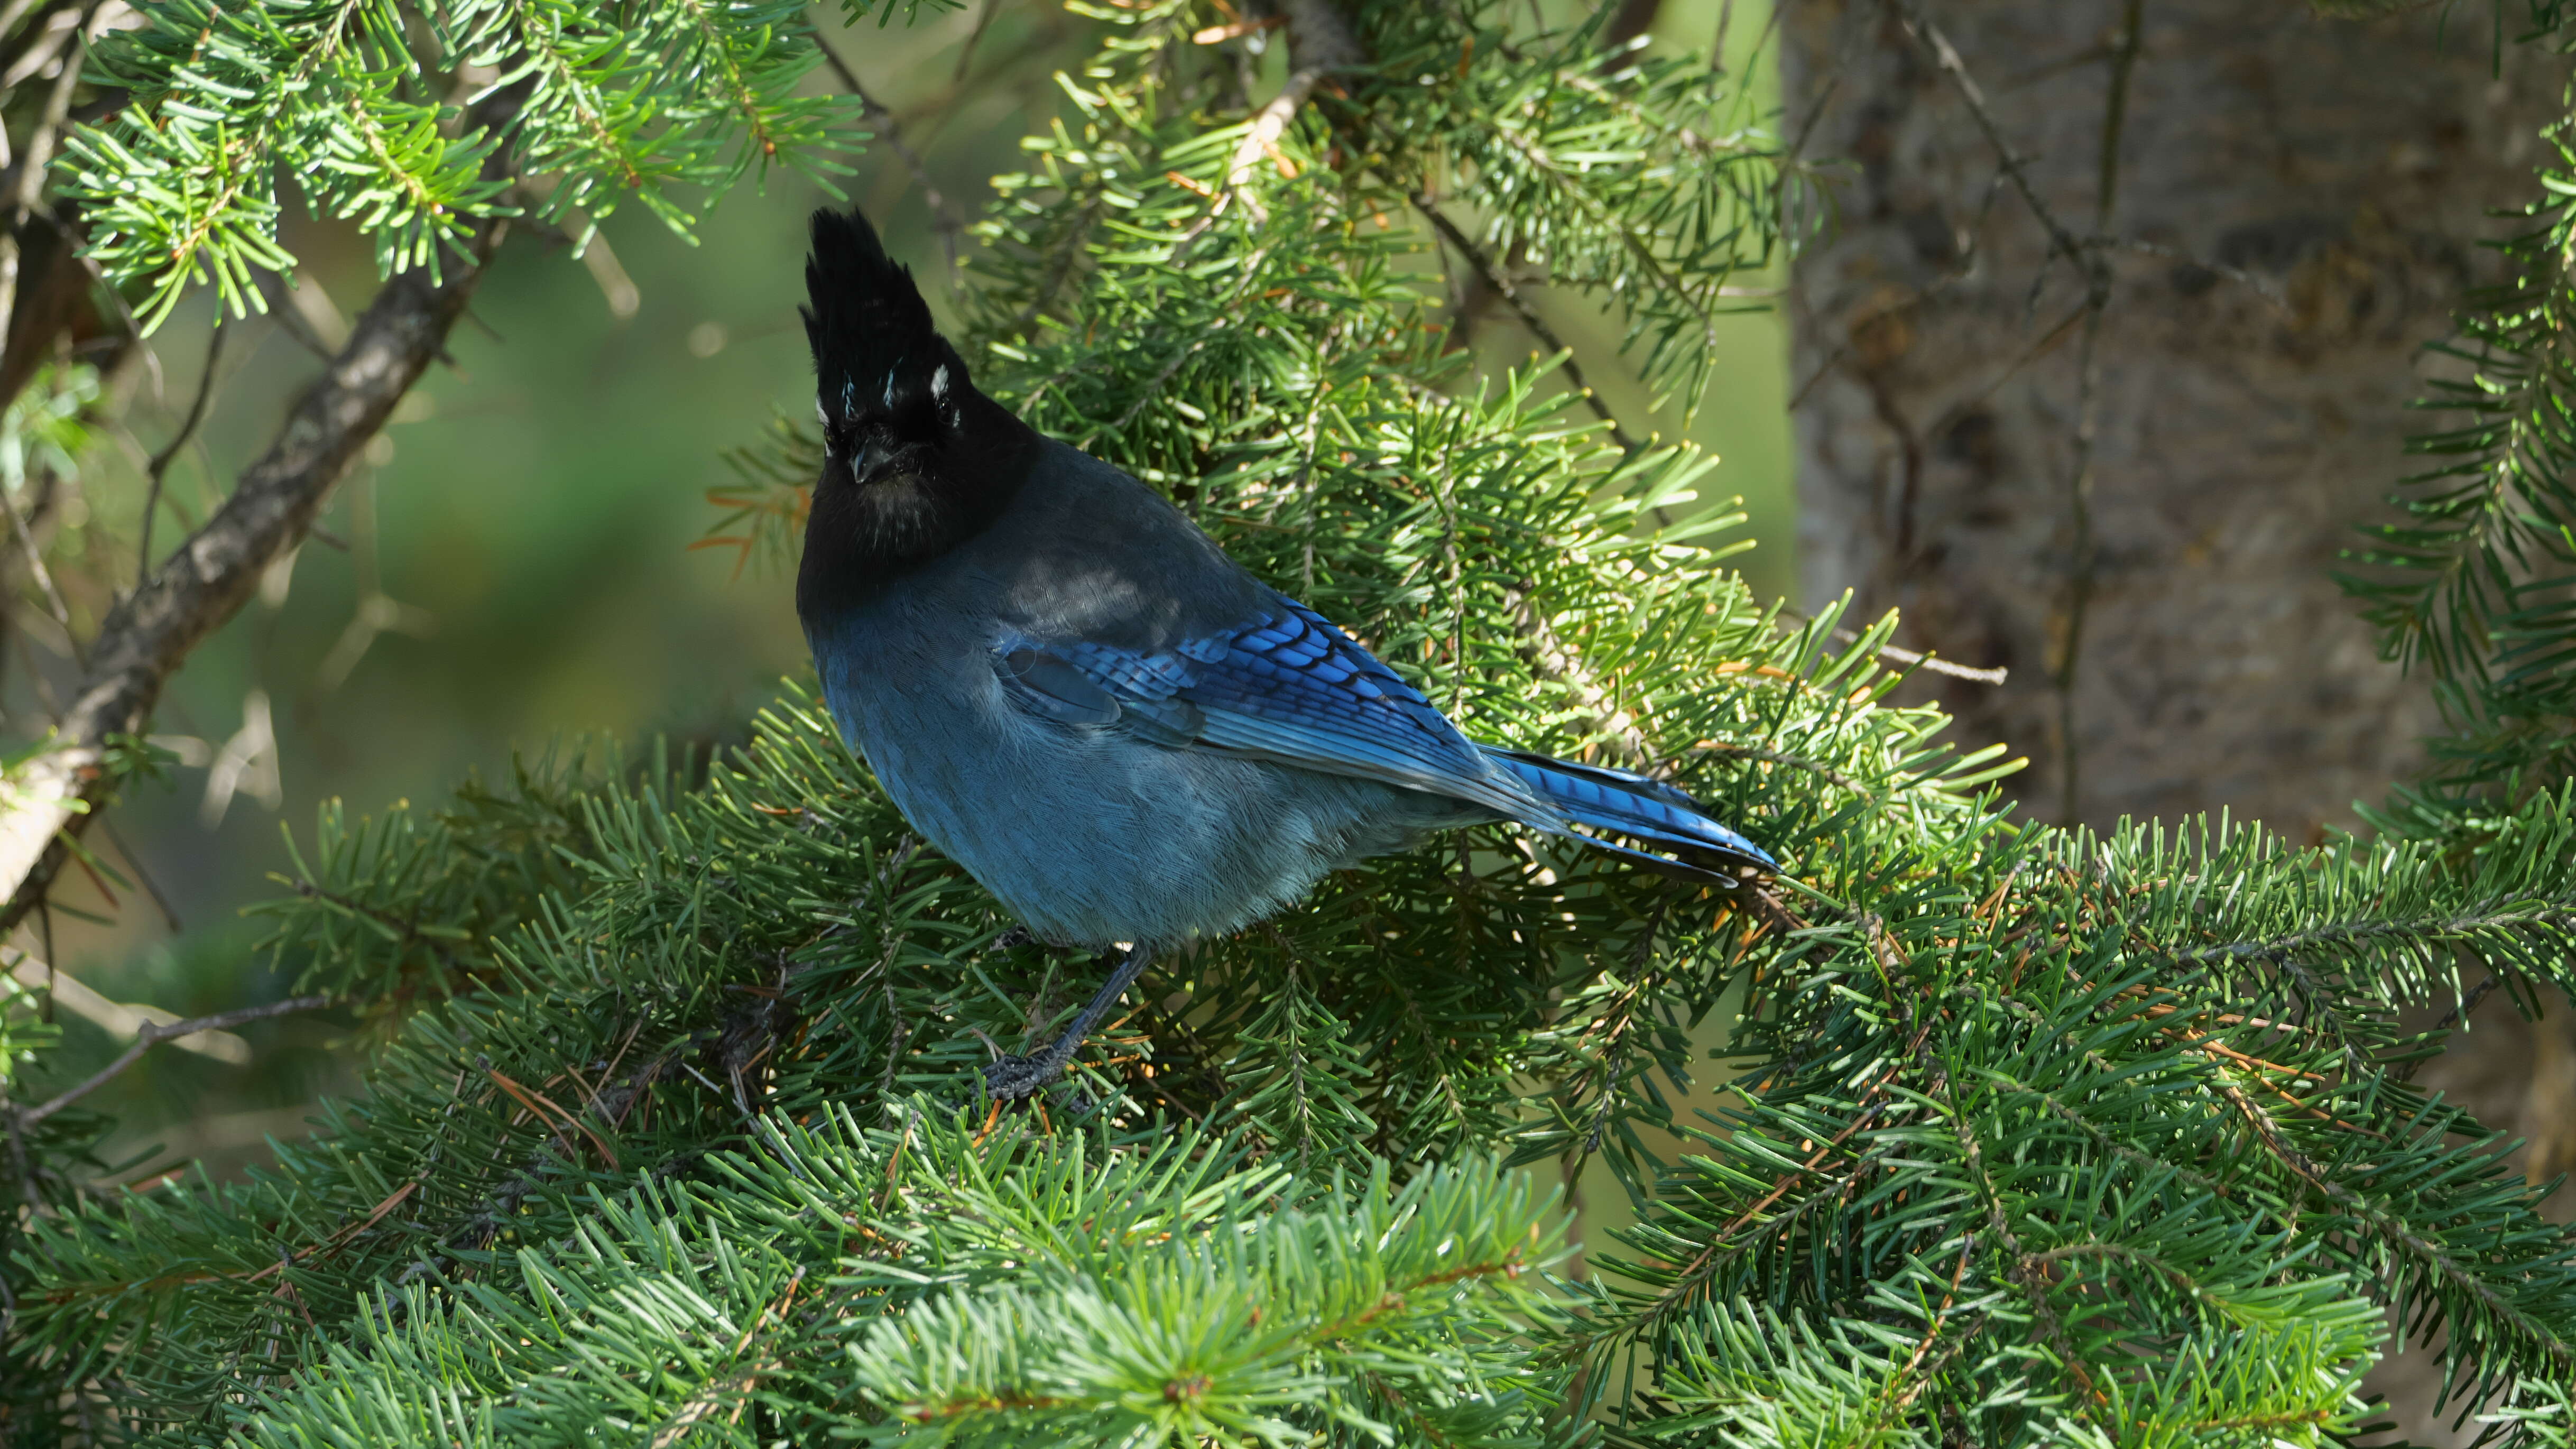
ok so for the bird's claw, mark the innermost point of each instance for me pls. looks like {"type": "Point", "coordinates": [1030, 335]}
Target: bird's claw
{"type": "Point", "coordinates": [1012, 1078]}
{"type": "Point", "coordinates": [1014, 938]}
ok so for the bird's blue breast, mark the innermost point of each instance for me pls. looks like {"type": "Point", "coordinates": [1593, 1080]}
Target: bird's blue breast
{"type": "Point", "coordinates": [1089, 833]}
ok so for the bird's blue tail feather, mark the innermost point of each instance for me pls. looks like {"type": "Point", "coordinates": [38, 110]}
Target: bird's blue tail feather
{"type": "Point", "coordinates": [1644, 810]}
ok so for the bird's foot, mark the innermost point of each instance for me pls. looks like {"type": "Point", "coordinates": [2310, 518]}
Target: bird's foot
{"type": "Point", "coordinates": [1012, 1078]}
{"type": "Point", "coordinates": [1013, 939]}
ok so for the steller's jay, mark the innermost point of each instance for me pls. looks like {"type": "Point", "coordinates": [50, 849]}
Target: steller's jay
{"type": "Point", "coordinates": [1066, 686]}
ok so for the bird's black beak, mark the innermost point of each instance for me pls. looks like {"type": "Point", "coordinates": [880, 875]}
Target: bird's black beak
{"type": "Point", "coordinates": [874, 461]}
{"type": "Point", "coordinates": [868, 464]}
{"type": "Point", "coordinates": [870, 456]}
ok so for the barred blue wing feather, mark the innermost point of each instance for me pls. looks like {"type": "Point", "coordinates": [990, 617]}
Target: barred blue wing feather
{"type": "Point", "coordinates": [1284, 686]}
{"type": "Point", "coordinates": [1289, 686]}
{"type": "Point", "coordinates": [1631, 805]}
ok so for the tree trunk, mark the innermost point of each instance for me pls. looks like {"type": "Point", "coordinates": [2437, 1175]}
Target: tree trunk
{"type": "Point", "coordinates": [2293, 209]}
{"type": "Point", "coordinates": [2136, 506]}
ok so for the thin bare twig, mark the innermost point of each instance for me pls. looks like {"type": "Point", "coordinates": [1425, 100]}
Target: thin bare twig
{"type": "Point", "coordinates": [1496, 278]}
{"type": "Point", "coordinates": [1961, 267]}
{"type": "Point", "coordinates": [2115, 111]}
{"type": "Point", "coordinates": [974, 38]}
{"type": "Point", "coordinates": [1761, 38]}
{"type": "Point", "coordinates": [2467, 1003]}
{"type": "Point", "coordinates": [952, 230]}
{"type": "Point", "coordinates": [2061, 241]}
{"type": "Point", "coordinates": [153, 1034]}
{"type": "Point", "coordinates": [2088, 385]}
{"type": "Point", "coordinates": [2039, 347]}
{"type": "Point", "coordinates": [288, 314]}
{"type": "Point", "coordinates": [1858, 32]}
{"type": "Point", "coordinates": [1910, 658]}
{"type": "Point", "coordinates": [36, 569]}
{"type": "Point", "coordinates": [2087, 260]}
{"type": "Point", "coordinates": [2263, 287]}
{"type": "Point", "coordinates": [159, 468]}
{"type": "Point", "coordinates": [143, 873]}
{"type": "Point", "coordinates": [1933, 663]}
{"type": "Point", "coordinates": [2079, 576]}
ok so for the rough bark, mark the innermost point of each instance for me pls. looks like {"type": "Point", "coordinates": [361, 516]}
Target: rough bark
{"type": "Point", "coordinates": [2275, 212]}
{"type": "Point", "coordinates": [2297, 208]}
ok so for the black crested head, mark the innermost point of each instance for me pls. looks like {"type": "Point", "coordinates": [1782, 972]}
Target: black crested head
{"type": "Point", "coordinates": [880, 365]}
{"type": "Point", "coordinates": [916, 459]}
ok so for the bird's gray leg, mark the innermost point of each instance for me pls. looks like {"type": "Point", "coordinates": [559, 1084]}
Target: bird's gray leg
{"type": "Point", "coordinates": [1021, 1076]}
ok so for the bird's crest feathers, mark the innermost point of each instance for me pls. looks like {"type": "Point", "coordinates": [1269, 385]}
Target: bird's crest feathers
{"type": "Point", "coordinates": [879, 361]}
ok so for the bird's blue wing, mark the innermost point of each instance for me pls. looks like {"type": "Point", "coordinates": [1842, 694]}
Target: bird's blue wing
{"type": "Point", "coordinates": [1290, 687]}
{"type": "Point", "coordinates": [1285, 686]}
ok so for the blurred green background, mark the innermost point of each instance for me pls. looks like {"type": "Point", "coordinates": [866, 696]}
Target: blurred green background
{"type": "Point", "coordinates": [512, 565]}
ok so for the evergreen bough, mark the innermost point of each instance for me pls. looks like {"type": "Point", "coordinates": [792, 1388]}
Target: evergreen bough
{"type": "Point", "coordinates": [2021, 1135]}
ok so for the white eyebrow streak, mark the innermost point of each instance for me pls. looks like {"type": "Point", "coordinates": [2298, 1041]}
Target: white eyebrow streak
{"type": "Point", "coordinates": [821, 415]}
{"type": "Point", "coordinates": [939, 383]}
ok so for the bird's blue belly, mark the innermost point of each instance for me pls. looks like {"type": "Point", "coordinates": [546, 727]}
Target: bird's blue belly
{"type": "Point", "coordinates": [1092, 835]}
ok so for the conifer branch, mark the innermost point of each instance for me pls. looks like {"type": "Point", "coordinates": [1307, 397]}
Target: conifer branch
{"type": "Point", "coordinates": [150, 633]}
{"type": "Point", "coordinates": [155, 471]}
{"type": "Point", "coordinates": [1261, 138]}
{"type": "Point", "coordinates": [1500, 283]}
{"type": "Point", "coordinates": [2385, 1226]}
{"type": "Point", "coordinates": [1987, 1132]}
{"type": "Point", "coordinates": [1557, 662]}
{"type": "Point", "coordinates": [943, 217]}
{"type": "Point", "coordinates": [151, 1034]}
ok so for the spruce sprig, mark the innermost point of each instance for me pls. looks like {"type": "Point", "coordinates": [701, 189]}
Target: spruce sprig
{"type": "Point", "coordinates": [362, 108]}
